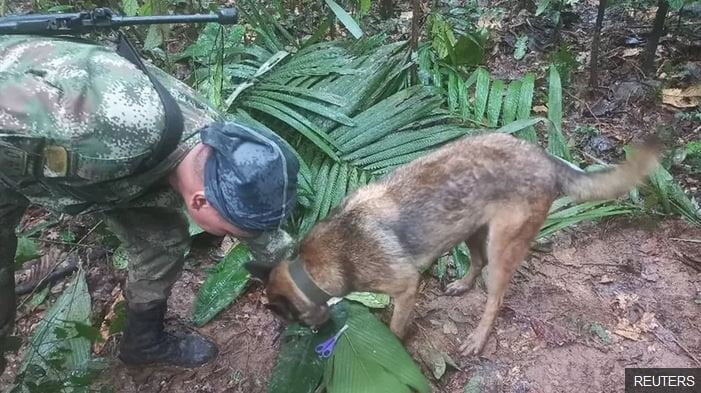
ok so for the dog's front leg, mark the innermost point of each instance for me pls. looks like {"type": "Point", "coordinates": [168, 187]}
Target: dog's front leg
{"type": "Point", "coordinates": [403, 309]}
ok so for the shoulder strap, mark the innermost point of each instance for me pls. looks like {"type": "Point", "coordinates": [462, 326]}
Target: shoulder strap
{"type": "Point", "coordinates": [173, 129]}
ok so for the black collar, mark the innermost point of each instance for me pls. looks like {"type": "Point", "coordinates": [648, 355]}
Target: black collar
{"type": "Point", "coordinates": [305, 283]}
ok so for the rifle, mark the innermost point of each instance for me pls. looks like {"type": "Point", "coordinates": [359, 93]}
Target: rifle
{"type": "Point", "coordinates": [101, 19]}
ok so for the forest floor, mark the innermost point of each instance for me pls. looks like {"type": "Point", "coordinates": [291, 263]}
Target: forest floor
{"type": "Point", "coordinates": [587, 303]}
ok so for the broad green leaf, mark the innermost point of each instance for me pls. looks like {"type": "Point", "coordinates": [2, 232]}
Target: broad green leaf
{"type": "Point", "coordinates": [508, 112]}
{"type": "Point", "coordinates": [557, 145]}
{"type": "Point", "coordinates": [542, 5]}
{"type": "Point", "coordinates": [26, 250]}
{"type": "Point", "coordinates": [521, 47]}
{"type": "Point", "coordinates": [39, 298]}
{"type": "Point", "coordinates": [120, 258]}
{"type": "Point", "coordinates": [461, 260]}
{"type": "Point", "coordinates": [481, 94]}
{"type": "Point", "coordinates": [154, 37]}
{"type": "Point", "coordinates": [193, 228]}
{"type": "Point", "coordinates": [676, 5]}
{"type": "Point", "coordinates": [130, 7]}
{"type": "Point", "coordinates": [519, 125]}
{"type": "Point", "coordinates": [468, 51]}
{"type": "Point", "coordinates": [369, 299]}
{"type": "Point", "coordinates": [370, 358]}
{"type": "Point", "coordinates": [496, 96]}
{"type": "Point", "coordinates": [299, 369]}
{"type": "Point", "coordinates": [222, 286]}
{"type": "Point", "coordinates": [55, 346]}
{"type": "Point", "coordinates": [524, 106]}
{"type": "Point", "coordinates": [365, 6]}
{"type": "Point", "coordinates": [345, 19]}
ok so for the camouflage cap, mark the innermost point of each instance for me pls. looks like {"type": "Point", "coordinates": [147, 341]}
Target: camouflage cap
{"type": "Point", "coordinates": [250, 176]}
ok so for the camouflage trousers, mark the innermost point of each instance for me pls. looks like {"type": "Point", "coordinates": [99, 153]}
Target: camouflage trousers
{"type": "Point", "coordinates": [156, 240]}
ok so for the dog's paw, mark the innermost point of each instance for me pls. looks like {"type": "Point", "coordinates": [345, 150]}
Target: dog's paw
{"type": "Point", "coordinates": [473, 345]}
{"type": "Point", "coordinates": [459, 287]}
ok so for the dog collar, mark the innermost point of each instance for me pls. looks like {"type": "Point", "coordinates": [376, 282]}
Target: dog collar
{"type": "Point", "coordinates": [305, 283]}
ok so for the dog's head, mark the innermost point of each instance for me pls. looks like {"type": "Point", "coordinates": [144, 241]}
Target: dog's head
{"type": "Point", "coordinates": [286, 300]}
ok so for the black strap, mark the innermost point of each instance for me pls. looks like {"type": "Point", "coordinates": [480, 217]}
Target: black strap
{"type": "Point", "coordinates": [170, 138]}
{"type": "Point", "coordinates": [305, 283]}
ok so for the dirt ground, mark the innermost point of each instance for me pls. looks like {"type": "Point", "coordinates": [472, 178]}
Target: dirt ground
{"type": "Point", "coordinates": [590, 302]}
{"type": "Point", "coordinates": [599, 298]}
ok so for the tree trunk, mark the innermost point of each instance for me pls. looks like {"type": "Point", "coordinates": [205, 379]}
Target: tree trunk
{"type": "Point", "coordinates": [414, 42]}
{"type": "Point", "coordinates": [594, 58]}
{"type": "Point", "coordinates": [648, 61]}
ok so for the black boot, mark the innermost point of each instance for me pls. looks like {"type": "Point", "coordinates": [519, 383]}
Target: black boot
{"type": "Point", "coordinates": [145, 342]}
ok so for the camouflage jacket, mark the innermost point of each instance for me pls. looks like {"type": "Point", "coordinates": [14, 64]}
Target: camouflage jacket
{"type": "Point", "coordinates": [102, 114]}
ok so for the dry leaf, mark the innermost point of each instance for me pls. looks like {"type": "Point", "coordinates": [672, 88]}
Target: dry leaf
{"type": "Point", "coordinates": [540, 109]}
{"type": "Point", "coordinates": [686, 98]}
{"type": "Point", "coordinates": [105, 328]}
{"type": "Point", "coordinates": [605, 279]}
{"type": "Point", "coordinates": [631, 52]}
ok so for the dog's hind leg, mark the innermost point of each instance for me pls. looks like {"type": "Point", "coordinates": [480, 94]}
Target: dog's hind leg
{"type": "Point", "coordinates": [477, 243]}
{"type": "Point", "coordinates": [510, 236]}
{"type": "Point", "coordinates": [404, 305]}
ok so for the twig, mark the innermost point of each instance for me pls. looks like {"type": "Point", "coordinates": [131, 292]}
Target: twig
{"type": "Point", "coordinates": [686, 240]}
{"type": "Point", "coordinates": [686, 350]}
{"type": "Point", "coordinates": [75, 247]}
{"type": "Point", "coordinates": [674, 338]}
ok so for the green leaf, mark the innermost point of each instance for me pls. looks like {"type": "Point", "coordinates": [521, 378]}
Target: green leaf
{"type": "Point", "coordinates": [130, 7]}
{"type": "Point", "coordinates": [369, 299]}
{"type": "Point", "coordinates": [345, 19]}
{"type": "Point", "coordinates": [461, 260]}
{"type": "Point", "coordinates": [468, 51]}
{"type": "Point", "coordinates": [193, 228]}
{"type": "Point", "coordinates": [88, 331]}
{"type": "Point", "coordinates": [676, 5]}
{"type": "Point", "coordinates": [39, 298]}
{"type": "Point", "coordinates": [70, 353]}
{"type": "Point", "coordinates": [519, 125]}
{"type": "Point", "coordinates": [481, 94]}
{"type": "Point", "coordinates": [365, 6]}
{"type": "Point", "coordinates": [508, 112]}
{"type": "Point", "coordinates": [542, 5]}
{"type": "Point", "coordinates": [154, 37]}
{"type": "Point", "coordinates": [496, 96]}
{"type": "Point", "coordinates": [524, 106]}
{"type": "Point", "coordinates": [299, 368]}
{"type": "Point", "coordinates": [222, 286]}
{"type": "Point", "coordinates": [521, 47]}
{"type": "Point", "coordinates": [557, 145]}
{"type": "Point", "coordinates": [26, 250]}
{"type": "Point", "coordinates": [120, 258]}
{"type": "Point", "coordinates": [370, 358]}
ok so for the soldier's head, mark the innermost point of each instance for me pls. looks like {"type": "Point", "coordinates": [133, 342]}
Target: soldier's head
{"type": "Point", "coordinates": [239, 181]}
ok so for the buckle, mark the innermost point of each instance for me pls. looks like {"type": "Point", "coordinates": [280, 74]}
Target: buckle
{"type": "Point", "coordinates": [55, 161]}
{"type": "Point", "coordinates": [13, 161]}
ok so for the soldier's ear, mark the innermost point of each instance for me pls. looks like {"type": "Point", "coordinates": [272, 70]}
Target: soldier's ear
{"type": "Point", "coordinates": [258, 271]}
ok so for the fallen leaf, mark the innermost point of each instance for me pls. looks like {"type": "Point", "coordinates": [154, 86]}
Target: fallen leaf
{"type": "Point", "coordinates": [434, 360]}
{"type": "Point", "coordinates": [605, 279]}
{"type": "Point", "coordinates": [540, 109]}
{"type": "Point", "coordinates": [106, 323]}
{"type": "Point", "coordinates": [686, 98]}
{"type": "Point", "coordinates": [631, 52]}
{"type": "Point", "coordinates": [449, 327]}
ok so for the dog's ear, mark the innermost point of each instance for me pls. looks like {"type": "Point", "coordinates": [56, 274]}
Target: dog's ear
{"type": "Point", "coordinates": [258, 271]}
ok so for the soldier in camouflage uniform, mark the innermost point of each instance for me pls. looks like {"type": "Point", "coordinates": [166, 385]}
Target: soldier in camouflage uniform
{"type": "Point", "coordinates": [77, 120]}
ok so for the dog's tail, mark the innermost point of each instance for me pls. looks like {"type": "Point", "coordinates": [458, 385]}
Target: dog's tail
{"type": "Point", "coordinates": [611, 182]}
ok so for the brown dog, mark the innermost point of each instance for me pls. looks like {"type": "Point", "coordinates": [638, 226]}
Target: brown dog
{"type": "Point", "coordinates": [492, 191]}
